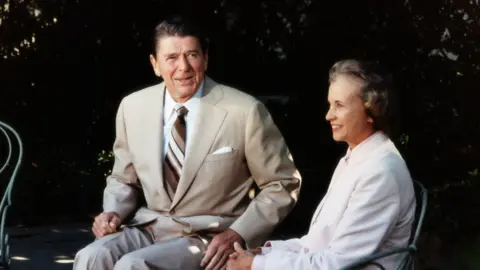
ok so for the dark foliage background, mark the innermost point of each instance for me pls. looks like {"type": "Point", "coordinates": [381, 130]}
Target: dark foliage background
{"type": "Point", "coordinates": [65, 65]}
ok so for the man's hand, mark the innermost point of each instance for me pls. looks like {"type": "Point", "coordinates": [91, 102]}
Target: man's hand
{"type": "Point", "coordinates": [254, 251]}
{"type": "Point", "coordinates": [106, 223]}
{"type": "Point", "coordinates": [241, 259]}
{"type": "Point", "coordinates": [219, 249]}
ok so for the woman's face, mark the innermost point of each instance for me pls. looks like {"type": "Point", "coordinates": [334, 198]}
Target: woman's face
{"type": "Point", "coordinates": [347, 116]}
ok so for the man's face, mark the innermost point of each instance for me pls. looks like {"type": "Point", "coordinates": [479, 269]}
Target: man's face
{"type": "Point", "coordinates": [182, 65]}
{"type": "Point", "coordinates": [347, 116]}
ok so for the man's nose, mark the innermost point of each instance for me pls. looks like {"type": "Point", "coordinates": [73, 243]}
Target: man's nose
{"type": "Point", "coordinates": [183, 63]}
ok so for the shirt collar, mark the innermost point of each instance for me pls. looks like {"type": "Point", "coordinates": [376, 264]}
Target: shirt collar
{"type": "Point", "coordinates": [359, 152]}
{"type": "Point", "coordinates": [191, 104]}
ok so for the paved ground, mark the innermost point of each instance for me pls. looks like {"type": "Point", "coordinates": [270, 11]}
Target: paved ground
{"type": "Point", "coordinates": [47, 248]}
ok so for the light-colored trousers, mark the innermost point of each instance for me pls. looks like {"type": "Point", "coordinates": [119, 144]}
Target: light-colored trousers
{"type": "Point", "coordinates": [142, 248]}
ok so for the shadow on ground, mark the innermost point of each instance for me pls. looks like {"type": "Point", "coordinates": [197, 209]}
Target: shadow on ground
{"type": "Point", "coordinates": [49, 247]}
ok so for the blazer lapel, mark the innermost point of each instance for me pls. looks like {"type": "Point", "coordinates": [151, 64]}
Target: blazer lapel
{"type": "Point", "coordinates": [153, 120]}
{"type": "Point", "coordinates": [208, 123]}
{"type": "Point", "coordinates": [338, 171]}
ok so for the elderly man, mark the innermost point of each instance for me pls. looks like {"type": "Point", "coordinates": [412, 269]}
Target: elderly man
{"type": "Point", "coordinates": [191, 149]}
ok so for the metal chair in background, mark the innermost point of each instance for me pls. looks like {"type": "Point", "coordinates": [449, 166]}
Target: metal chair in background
{"type": "Point", "coordinates": [10, 168]}
{"type": "Point", "coordinates": [407, 263]}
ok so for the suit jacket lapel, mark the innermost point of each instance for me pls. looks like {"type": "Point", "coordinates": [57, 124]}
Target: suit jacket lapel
{"type": "Point", "coordinates": [153, 120]}
{"type": "Point", "coordinates": [208, 123]}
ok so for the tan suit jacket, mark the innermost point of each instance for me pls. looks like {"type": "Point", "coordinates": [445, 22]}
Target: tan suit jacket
{"type": "Point", "coordinates": [213, 190]}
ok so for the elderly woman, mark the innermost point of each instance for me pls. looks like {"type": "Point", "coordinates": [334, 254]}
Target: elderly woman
{"type": "Point", "coordinates": [369, 206]}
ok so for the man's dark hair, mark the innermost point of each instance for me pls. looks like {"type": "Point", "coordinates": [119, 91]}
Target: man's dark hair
{"type": "Point", "coordinates": [178, 26]}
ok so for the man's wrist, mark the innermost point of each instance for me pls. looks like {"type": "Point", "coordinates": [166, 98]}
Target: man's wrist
{"type": "Point", "coordinates": [237, 236]}
{"type": "Point", "coordinates": [121, 213]}
{"type": "Point", "coordinates": [114, 213]}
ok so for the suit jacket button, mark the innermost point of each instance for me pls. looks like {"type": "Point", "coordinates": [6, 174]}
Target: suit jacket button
{"type": "Point", "coordinates": [171, 212]}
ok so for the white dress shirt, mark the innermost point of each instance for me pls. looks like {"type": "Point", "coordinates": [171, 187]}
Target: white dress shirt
{"type": "Point", "coordinates": [170, 115]}
{"type": "Point", "coordinates": [369, 207]}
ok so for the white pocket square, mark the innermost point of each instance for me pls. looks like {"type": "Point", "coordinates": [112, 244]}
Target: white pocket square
{"type": "Point", "coordinates": [223, 150]}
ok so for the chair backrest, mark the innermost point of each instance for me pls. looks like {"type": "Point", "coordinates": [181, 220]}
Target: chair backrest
{"type": "Point", "coordinates": [11, 168]}
{"type": "Point", "coordinates": [407, 262]}
{"type": "Point", "coordinates": [421, 197]}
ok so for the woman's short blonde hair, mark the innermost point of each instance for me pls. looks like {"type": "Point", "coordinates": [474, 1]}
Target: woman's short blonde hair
{"type": "Point", "coordinates": [377, 91]}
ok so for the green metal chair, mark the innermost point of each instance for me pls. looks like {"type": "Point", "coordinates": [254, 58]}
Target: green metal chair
{"type": "Point", "coordinates": [10, 167]}
{"type": "Point", "coordinates": [407, 262]}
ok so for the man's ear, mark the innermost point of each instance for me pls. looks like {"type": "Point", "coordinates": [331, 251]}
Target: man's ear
{"type": "Point", "coordinates": [154, 63]}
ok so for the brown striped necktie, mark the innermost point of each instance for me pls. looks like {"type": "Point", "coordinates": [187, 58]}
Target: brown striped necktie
{"type": "Point", "coordinates": [173, 164]}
